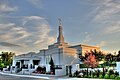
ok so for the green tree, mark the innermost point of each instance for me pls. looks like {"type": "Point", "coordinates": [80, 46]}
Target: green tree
{"type": "Point", "coordinates": [118, 56]}
{"type": "Point", "coordinates": [52, 66]}
{"type": "Point", "coordinates": [51, 62]}
{"type": "Point", "coordinates": [6, 58]}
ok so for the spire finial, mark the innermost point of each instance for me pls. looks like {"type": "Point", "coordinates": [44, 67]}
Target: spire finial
{"type": "Point", "coordinates": [60, 38]}
{"type": "Point", "coordinates": [60, 21]}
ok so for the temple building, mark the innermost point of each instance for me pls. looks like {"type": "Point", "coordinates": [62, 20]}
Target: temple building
{"type": "Point", "coordinates": [64, 57]}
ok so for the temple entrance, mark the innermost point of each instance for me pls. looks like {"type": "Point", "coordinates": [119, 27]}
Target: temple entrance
{"type": "Point", "coordinates": [18, 64]}
{"type": "Point", "coordinates": [36, 62]}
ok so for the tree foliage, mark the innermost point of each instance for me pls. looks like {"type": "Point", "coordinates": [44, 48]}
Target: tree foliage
{"type": "Point", "coordinates": [91, 61]}
{"type": "Point", "coordinates": [118, 56]}
{"type": "Point", "coordinates": [98, 55]}
{"type": "Point", "coordinates": [51, 62]}
{"type": "Point", "coordinates": [6, 58]}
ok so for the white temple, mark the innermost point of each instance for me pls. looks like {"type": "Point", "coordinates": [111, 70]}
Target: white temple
{"type": "Point", "coordinates": [65, 57]}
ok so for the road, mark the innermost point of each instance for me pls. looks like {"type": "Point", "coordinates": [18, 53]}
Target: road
{"type": "Point", "coordinates": [5, 77]}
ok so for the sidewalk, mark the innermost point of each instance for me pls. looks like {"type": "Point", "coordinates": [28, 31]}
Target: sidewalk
{"type": "Point", "coordinates": [48, 77]}
{"type": "Point", "coordinates": [31, 76]}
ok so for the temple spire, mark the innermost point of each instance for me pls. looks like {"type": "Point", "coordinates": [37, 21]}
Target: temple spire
{"type": "Point", "coordinates": [60, 21]}
{"type": "Point", "coordinates": [60, 38]}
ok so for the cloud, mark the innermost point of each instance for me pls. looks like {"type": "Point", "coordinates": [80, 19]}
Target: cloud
{"type": "Point", "coordinates": [114, 28]}
{"type": "Point", "coordinates": [37, 3]}
{"type": "Point", "coordinates": [5, 26]}
{"type": "Point", "coordinates": [87, 38]}
{"type": "Point", "coordinates": [34, 33]}
{"type": "Point", "coordinates": [7, 44]}
{"type": "Point", "coordinates": [107, 13]}
{"type": "Point", "coordinates": [11, 32]}
{"type": "Point", "coordinates": [29, 18]}
{"type": "Point", "coordinates": [43, 36]}
{"type": "Point", "coordinates": [102, 43]}
{"type": "Point", "coordinates": [4, 8]}
{"type": "Point", "coordinates": [106, 9]}
{"type": "Point", "coordinates": [33, 17]}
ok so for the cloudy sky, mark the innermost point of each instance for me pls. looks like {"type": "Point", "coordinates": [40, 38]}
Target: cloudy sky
{"type": "Point", "coordinates": [31, 25]}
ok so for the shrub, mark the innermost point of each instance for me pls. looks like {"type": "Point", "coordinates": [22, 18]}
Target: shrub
{"type": "Point", "coordinates": [111, 72]}
{"type": "Point", "coordinates": [85, 76]}
{"type": "Point", "coordinates": [100, 76]}
{"type": "Point", "coordinates": [117, 78]}
{"type": "Point", "coordinates": [70, 75]}
{"type": "Point", "coordinates": [90, 77]}
{"type": "Point", "coordinates": [76, 73]}
{"type": "Point", "coordinates": [112, 77]}
{"type": "Point", "coordinates": [95, 76]}
{"type": "Point", "coordinates": [116, 73]}
{"type": "Point", "coordinates": [106, 76]}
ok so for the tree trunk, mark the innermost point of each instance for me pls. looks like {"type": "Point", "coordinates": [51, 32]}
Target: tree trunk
{"type": "Point", "coordinates": [87, 71]}
{"type": "Point", "coordinates": [103, 72]}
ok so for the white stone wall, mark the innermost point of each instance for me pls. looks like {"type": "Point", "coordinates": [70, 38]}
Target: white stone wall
{"type": "Point", "coordinates": [14, 61]}
{"type": "Point", "coordinates": [75, 67]}
{"type": "Point", "coordinates": [47, 67]}
{"type": "Point", "coordinates": [42, 61]}
{"type": "Point", "coordinates": [118, 67]}
{"type": "Point", "coordinates": [69, 55]}
{"type": "Point", "coordinates": [60, 72]}
{"type": "Point", "coordinates": [57, 58]}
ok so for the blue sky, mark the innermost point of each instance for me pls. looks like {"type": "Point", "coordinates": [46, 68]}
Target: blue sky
{"type": "Point", "coordinates": [31, 25]}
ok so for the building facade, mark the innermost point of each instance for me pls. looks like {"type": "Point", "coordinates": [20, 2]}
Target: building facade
{"type": "Point", "coordinates": [65, 57]}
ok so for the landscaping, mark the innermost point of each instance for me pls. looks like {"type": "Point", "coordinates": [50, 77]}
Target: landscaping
{"type": "Point", "coordinates": [92, 68]}
{"type": "Point", "coordinates": [96, 74]}
{"type": "Point", "coordinates": [42, 70]}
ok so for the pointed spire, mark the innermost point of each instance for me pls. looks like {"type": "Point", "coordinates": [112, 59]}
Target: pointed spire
{"type": "Point", "coordinates": [60, 21]}
{"type": "Point", "coordinates": [60, 38]}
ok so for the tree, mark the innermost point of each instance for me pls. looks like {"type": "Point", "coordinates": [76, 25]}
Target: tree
{"type": "Point", "coordinates": [119, 52]}
{"type": "Point", "coordinates": [6, 58]}
{"type": "Point", "coordinates": [91, 62]}
{"type": "Point", "coordinates": [82, 58]}
{"type": "Point", "coordinates": [51, 62]}
{"type": "Point", "coordinates": [98, 55]}
{"type": "Point", "coordinates": [109, 57]}
{"type": "Point", "coordinates": [52, 66]}
{"type": "Point", "coordinates": [118, 56]}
